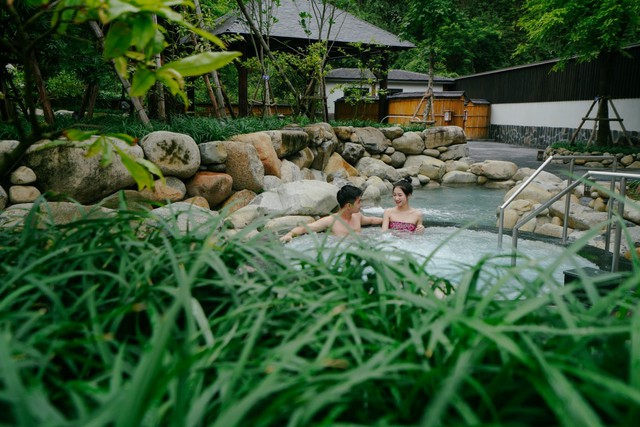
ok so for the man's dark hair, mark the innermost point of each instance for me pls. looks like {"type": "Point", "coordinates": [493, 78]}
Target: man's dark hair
{"type": "Point", "coordinates": [348, 194]}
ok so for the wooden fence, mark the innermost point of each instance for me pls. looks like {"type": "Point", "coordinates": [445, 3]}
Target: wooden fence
{"type": "Point", "coordinates": [449, 109]}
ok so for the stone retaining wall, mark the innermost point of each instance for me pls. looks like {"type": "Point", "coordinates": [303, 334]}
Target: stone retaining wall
{"type": "Point", "coordinates": [543, 137]}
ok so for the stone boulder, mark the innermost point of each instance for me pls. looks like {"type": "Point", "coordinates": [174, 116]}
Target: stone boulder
{"type": "Point", "coordinates": [343, 132]}
{"type": "Point", "coordinates": [455, 152]}
{"type": "Point", "coordinates": [238, 200]}
{"type": "Point", "coordinates": [267, 154]}
{"type": "Point", "coordinates": [443, 136]}
{"type": "Point", "coordinates": [320, 133]}
{"type": "Point", "coordinates": [66, 169]}
{"type": "Point", "coordinates": [495, 169]}
{"type": "Point", "coordinates": [409, 143]}
{"type": "Point", "coordinates": [172, 190]}
{"type": "Point", "coordinates": [352, 152]}
{"type": "Point", "coordinates": [244, 166]}
{"type": "Point", "coordinates": [23, 175]}
{"type": "Point", "coordinates": [175, 154]}
{"type": "Point", "coordinates": [369, 166]}
{"type": "Point", "coordinates": [459, 178]}
{"type": "Point", "coordinates": [214, 187]}
{"type": "Point", "coordinates": [580, 217]}
{"type": "Point", "coordinates": [23, 194]}
{"type": "Point", "coordinates": [533, 191]}
{"type": "Point", "coordinates": [290, 172]}
{"type": "Point", "coordinates": [288, 141]}
{"type": "Point", "coordinates": [4, 198]}
{"type": "Point", "coordinates": [212, 153]}
{"type": "Point", "coordinates": [189, 219]}
{"type": "Point", "coordinates": [428, 166]}
{"type": "Point", "coordinates": [392, 132]}
{"type": "Point", "coordinates": [50, 213]}
{"type": "Point", "coordinates": [307, 197]}
{"type": "Point", "coordinates": [303, 158]}
{"type": "Point", "coordinates": [372, 140]}
{"type": "Point", "coordinates": [337, 163]}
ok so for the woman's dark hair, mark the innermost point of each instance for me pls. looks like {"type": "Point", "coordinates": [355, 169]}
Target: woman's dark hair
{"type": "Point", "coordinates": [405, 185]}
{"type": "Point", "coordinates": [348, 194]}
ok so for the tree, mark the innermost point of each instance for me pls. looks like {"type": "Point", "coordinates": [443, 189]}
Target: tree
{"type": "Point", "coordinates": [131, 42]}
{"type": "Point", "coordinates": [587, 30]}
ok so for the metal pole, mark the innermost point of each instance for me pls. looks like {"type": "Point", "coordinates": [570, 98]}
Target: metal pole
{"type": "Point", "coordinates": [615, 263]}
{"type": "Point", "coordinates": [567, 204]}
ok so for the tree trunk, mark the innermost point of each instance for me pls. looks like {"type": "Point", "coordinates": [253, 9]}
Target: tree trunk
{"type": "Point", "coordinates": [159, 88]}
{"type": "Point", "coordinates": [605, 65]}
{"type": "Point", "coordinates": [42, 91]}
{"type": "Point", "coordinates": [137, 103]}
{"type": "Point", "coordinates": [88, 101]}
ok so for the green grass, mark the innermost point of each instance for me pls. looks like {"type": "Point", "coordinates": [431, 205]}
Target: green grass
{"type": "Point", "coordinates": [102, 326]}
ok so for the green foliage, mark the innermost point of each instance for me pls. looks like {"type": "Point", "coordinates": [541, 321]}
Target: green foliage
{"type": "Point", "coordinates": [579, 27]}
{"type": "Point", "coordinates": [104, 325]}
{"type": "Point", "coordinates": [65, 84]}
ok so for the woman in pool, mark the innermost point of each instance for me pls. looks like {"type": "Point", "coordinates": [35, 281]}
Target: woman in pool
{"type": "Point", "coordinates": [403, 217]}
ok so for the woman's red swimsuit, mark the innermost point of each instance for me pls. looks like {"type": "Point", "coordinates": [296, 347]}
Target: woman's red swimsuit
{"type": "Point", "coordinates": [402, 226]}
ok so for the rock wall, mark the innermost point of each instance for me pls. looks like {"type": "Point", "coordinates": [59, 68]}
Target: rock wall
{"type": "Point", "coordinates": [292, 173]}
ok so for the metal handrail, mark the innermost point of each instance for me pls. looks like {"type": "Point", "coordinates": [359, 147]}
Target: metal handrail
{"type": "Point", "coordinates": [536, 173]}
{"type": "Point", "coordinates": [589, 174]}
{"type": "Point", "coordinates": [570, 186]}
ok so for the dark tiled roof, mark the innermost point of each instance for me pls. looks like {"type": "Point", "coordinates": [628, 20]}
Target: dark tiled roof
{"type": "Point", "coordinates": [346, 29]}
{"type": "Point", "coordinates": [395, 75]}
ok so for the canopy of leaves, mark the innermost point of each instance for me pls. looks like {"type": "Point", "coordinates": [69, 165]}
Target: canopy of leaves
{"type": "Point", "coordinates": [583, 28]}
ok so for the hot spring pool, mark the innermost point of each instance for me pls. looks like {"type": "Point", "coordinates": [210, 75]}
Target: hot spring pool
{"type": "Point", "coordinates": [451, 250]}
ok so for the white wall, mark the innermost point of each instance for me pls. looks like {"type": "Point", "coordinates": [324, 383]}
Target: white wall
{"type": "Point", "coordinates": [567, 114]}
{"type": "Point", "coordinates": [333, 93]}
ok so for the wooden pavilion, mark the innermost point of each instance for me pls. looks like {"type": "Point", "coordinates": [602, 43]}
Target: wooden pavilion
{"type": "Point", "coordinates": [286, 33]}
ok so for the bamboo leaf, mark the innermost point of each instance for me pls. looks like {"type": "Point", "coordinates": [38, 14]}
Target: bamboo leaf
{"type": "Point", "coordinates": [201, 63]}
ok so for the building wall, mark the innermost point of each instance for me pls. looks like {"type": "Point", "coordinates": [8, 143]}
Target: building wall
{"type": "Point", "coordinates": [334, 93]}
{"type": "Point", "coordinates": [533, 105]}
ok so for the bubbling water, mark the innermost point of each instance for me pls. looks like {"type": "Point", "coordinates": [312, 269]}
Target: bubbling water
{"type": "Point", "coordinates": [450, 253]}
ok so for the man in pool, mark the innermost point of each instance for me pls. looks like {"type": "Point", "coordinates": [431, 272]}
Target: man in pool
{"type": "Point", "coordinates": [347, 220]}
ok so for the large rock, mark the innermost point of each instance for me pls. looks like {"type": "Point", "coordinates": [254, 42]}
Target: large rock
{"type": "Point", "coordinates": [443, 136]}
{"type": "Point", "coordinates": [288, 141]}
{"type": "Point", "coordinates": [238, 201]}
{"type": "Point", "coordinates": [23, 175]}
{"type": "Point", "coordinates": [428, 166]}
{"type": "Point", "coordinates": [176, 154]}
{"type": "Point", "coordinates": [455, 152]}
{"type": "Point", "coordinates": [172, 190]}
{"type": "Point", "coordinates": [533, 191]}
{"type": "Point", "coordinates": [392, 132]}
{"type": "Point", "coordinates": [290, 172]}
{"type": "Point", "coordinates": [4, 198]}
{"type": "Point", "coordinates": [352, 152]}
{"type": "Point", "coordinates": [186, 218]}
{"type": "Point", "coordinates": [23, 194]}
{"type": "Point", "coordinates": [49, 213]}
{"type": "Point", "coordinates": [319, 133]}
{"type": "Point", "coordinates": [212, 153]}
{"type": "Point", "coordinates": [214, 187]}
{"type": "Point", "coordinates": [369, 166]}
{"type": "Point", "coordinates": [409, 143]}
{"type": "Point", "coordinates": [305, 197]}
{"type": "Point", "coordinates": [244, 166]}
{"type": "Point", "coordinates": [322, 152]}
{"type": "Point", "coordinates": [580, 217]}
{"type": "Point", "coordinates": [372, 140]}
{"type": "Point", "coordinates": [459, 178]}
{"type": "Point", "coordinates": [495, 169]}
{"type": "Point", "coordinates": [66, 169]}
{"type": "Point", "coordinates": [337, 163]}
{"type": "Point", "coordinates": [303, 158]}
{"type": "Point", "coordinates": [267, 154]}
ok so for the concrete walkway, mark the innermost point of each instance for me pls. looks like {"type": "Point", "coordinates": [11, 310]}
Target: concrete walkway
{"type": "Point", "coordinates": [524, 157]}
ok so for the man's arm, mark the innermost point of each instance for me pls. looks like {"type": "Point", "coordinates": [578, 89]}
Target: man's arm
{"type": "Point", "coordinates": [370, 220]}
{"type": "Point", "coordinates": [316, 226]}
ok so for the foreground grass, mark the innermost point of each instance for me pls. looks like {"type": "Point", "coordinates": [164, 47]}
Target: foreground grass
{"type": "Point", "coordinates": [101, 327]}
